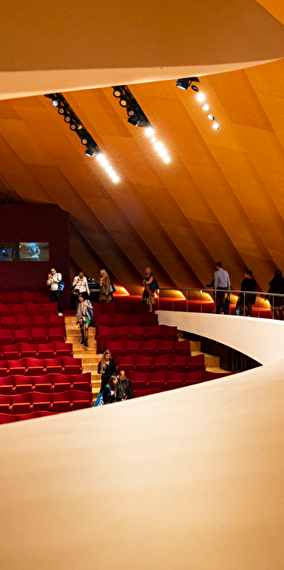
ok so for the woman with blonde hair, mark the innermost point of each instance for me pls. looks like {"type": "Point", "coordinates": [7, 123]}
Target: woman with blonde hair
{"type": "Point", "coordinates": [105, 285]}
{"type": "Point", "coordinates": [106, 368]}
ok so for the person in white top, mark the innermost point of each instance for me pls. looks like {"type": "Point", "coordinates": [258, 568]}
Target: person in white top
{"type": "Point", "coordinates": [52, 281]}
{"type": "Point", "coordinates": [80, 285]}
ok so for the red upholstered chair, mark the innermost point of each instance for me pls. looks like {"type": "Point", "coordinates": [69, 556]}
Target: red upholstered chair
{"type": "Point", "coordinates": [4, 367]}
{"type": "Point", "coordinates": [18, 309]}
{"type": "Point", "coordinates": [22, 335]}
{"type": "Point", "coordinates": [161, 363]}
{"type": "Point", "coordinates": [43, 383]}
{"type": "Point", "coordinates": [29, 416]}
{"type": "Point", "coordinates": [40, 321]}
{"type": "Point", "coordinates": [62, 402]}
{"type": "Point", "coordinates": [149, 348]}
{"type": "Point", "coordinates": [156, 384]}
{"type": "Point", "coordinates": [21, 403]}
{"type": "Point", "coordinates": [164, 347]}
{"type": "Point", "coordinates": [141, 377]}
{"type": "Point", "coordinates": [143, 363]}
{"type": "Point", "coordinates": [105, 320]}
{"type": "Point", "coordinates": [116, 348]}
{"type": "Point", "coordinates": [46, 350]}
{"type": "Point", "coordinates": [28, 350]}
{"type": "Point", "coordinates": [5, 404]}
{"type": "Point", "coordinates": [182, 347]}
{"type": "Point", "coordinates": [121, 333]}
{"type": "Point", "coordinates": [172, 385]}
{"type": "Point", "coordinates": [7, 386]}
{"type": "Point", "coordinates": [104, 337]}
{"type": "Point", "coordinates": [119, 320]}
{"type": "Point", "coordinates": [81, 399]}
{"type": "Point", "coordinates": [136, 319]}
{"type": "Point", "coordinates": [149, 319]}
{"type": "Point", "coordinates": [16, 366]}
{"type": "Point", "coordinates": [9, 323]}
{"type": "Point", "coordinates": [27, 297]}
{"type": "Point", "coordinates": [23, 384]}
{"type": "Point", "coordinates": [137, 333]}
{"type": "Point", "coordinates": [196, 363]}
{"type": "Point", "coordinates": [126, 363]}
{"type": "Point", "coordinates": [55, 321]}
{"type": "Point", "coordinates": [5, 310]}
{"type": "Point", "coordinates": [82, 382]}
{"type": "Point", "coordinates": [191, 378]}
{"type": "Point", "coordinates": [11, 351]}
{"type": "Point", "coordinates": [7, 418]}
{"type": "Point", "coordinates": [48, 308]}
{"type": "Point", "coordinates": [41, 402]}
{"type": "Point", "coordinates": [13, 298]}
{"type": "Point", "coordinates": [6, 337]}
{"type": "Point", "coordinates": [131, 347]}
{"type": "Point", "coordinates": [53, 366]}
{"type": "Point", "coordinates": [179, 363]}
{"type": "Point", "coordinates": [154, 332]}
{"type": "Point", "coordinates": [56, 334]}
{"type": "Point", "coordinates": [169, 333]}
{"type": "Point", "coordinates": [71, 365]}
{"type": "Point", "coordinates": [38, 335]}
{"type": "Point", "coordinates": [63, 348]}
{"type": "Point", "coordinates": [62, 384]}
{"type": "Point", "coordinates": [35, 366]}
{"type": "Point", "coordinates": [33, 309]}
{"type": "Point", "coordinates": [41, 299]}
{"type": "Point", "coordinates": [23, 321]}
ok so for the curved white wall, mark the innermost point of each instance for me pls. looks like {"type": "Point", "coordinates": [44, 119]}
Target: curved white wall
{"type": "Point", "coordinates": [261, 339]}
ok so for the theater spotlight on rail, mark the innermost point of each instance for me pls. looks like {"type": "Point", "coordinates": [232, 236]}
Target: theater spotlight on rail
{"type": "Point", "coordinates": [91, 147]}
{"type": "Point", "coordinates": [187, 82]}
{"type": "Point", "coordinates": [137, 117]}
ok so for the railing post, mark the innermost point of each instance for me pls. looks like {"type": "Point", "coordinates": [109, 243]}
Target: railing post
{"type": "Point", "coordinates": [201, 301]}
{"type": "Point", "coordinates": [273, 307]}
{"type": "Point", "coordinates": [187, 300]}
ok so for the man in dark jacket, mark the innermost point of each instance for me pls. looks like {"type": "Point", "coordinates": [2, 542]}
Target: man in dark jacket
{"type": "Point", "coordinates": [246, 300]}
{"type": "Point", "coordinates": [124, 391]}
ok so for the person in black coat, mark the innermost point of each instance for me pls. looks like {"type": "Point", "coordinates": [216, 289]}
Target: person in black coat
{"type": "Point", "coordinates": [124, 391]}
{"type": "Point", "coordinates": [245, 299]}
{"type": "Point", "coordinates": [106, 368]}
{"type": "Point", "coordinates": [276, 285]}
{"type": "Point", "coordinates": [110, 390]}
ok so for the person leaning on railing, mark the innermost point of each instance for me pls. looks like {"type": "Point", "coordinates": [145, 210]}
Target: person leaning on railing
{"type": "Point", "coordinates": [221, 280]}
{"type": "Point", "coordinates": [276, 285]}
{"type": "Point", "coordinates": [245, 299]}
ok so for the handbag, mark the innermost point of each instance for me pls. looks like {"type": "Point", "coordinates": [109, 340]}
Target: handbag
{"type": "Point", "coordinates": [112, 288]}
{"type": "Point", "coordinates": [61, 285]}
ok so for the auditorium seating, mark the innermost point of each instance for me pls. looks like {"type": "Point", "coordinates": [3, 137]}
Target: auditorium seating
{"type": "Point", "coordinates": [173, 362]}
{"type": "Point", "coordinates": [45, 350]}
{"type": "Point", "coordinates": [39, 366]}
{"type": "Point", "coordinates": [134, 333]}
{"type": "Point", "coordinates": [156, 347]}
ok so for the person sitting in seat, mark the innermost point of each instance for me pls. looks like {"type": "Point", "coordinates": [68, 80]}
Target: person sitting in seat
{"type": "Point", "coordinates": [124, 391]}
{"type": "Point", "coordinates": [110, 390]}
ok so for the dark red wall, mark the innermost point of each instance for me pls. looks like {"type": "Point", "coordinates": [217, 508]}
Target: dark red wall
{"type": "Point", "coordinates": [35, 223]}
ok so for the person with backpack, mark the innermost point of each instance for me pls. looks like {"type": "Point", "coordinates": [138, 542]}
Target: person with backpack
{"type": "Point", "coordinates": [109, 393]}
{"type": "Point", "coordinates": [151, 286]}
{"type": "Point", "coordinates": [54, 281]}
{"type": "Point", "coordinates": [84, 315]}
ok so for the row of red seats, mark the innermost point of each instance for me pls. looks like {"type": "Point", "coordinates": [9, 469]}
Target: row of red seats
{"type": "Point", "coordinates": [19, 384]}
{"type": "Point", "coordinates": [167, 380]}
{"type": "Point", "coordinates": [31, 309]}
{"type": "Point", "coordinates": [24, 321]}
{"type": "Point", "coordinates": [33, 335]}
{"type": "Point", "coordinates": [132, 332]}
{"type": "Point", "coordinates": [10, 418]}
{"type": "Point", "coordinates": [23, 297]}
{"type": "Point", "coordinates": [155, 347]}
{"type": "Point", "coordinates": [39, 366]}
{"type": "Point", "coordinates": [173, 362]}
{"type": "Point", "coordinates": [118, 319]}
{"type": "Point", "coordinates": [38, 401]}
{"type": "Point", "coordinates": [27, 350]}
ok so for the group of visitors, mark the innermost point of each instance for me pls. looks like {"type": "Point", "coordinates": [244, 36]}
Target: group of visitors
{"type": "Point", "coordinates": [222, 285]}
{"type": "Point", "coordinates": [114, 388]}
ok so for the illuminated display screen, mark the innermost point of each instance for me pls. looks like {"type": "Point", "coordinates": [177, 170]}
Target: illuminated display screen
{"type": "Point", "coordinates": [24, 251]}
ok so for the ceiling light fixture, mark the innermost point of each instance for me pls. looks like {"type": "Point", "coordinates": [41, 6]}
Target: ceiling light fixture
{"type": "Point", "coordinates": [186, 82]}
{"type": "Point", "coordinates": [91, 147]}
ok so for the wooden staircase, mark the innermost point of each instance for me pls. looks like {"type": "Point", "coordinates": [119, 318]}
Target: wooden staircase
{"type": "Point", "coordinates": [212, 363]}
{"type": "Point", "coordinates": [89, 356]}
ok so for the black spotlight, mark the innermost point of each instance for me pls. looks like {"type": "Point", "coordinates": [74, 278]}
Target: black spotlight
{"type": "Point", "coordinates": [67, 118]}
{"type": "Point", "coordinates": [90, 150]}
{"type": "Point", "coordinates": [84, 140]}
{"type": "Point", "coordinates": [61, 110]}
{"type": "Point", "coordinates": [185, 82]}
{"type": "Point", "coordinates": [117, 92]}
{"type": "Point", "coordinates": [123, 102]}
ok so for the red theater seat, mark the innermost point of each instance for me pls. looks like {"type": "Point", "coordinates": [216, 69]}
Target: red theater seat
{"type": "Point", "coordinates": [23, 321]}
{"type": "Point", "coordinates": [56, 334]}
{"type": "Point", "coordinates": [182, 347]}
{"type": "Point", "coordinates": [154, 332]}
{"type": "Point", "coordinates": [38, 335]}
{"type": "Point", "coordinates": [7, 386]}
{"type": "Point", "coordinates": [121, 333]}
{"type": "Point", "coordinates": [149, 348]}
{"type": "Point", "coordinates": [48, 308]}
{"type": "Point", "coordinates": [119, 320]}
{"type": "Point", "coordinates": [149, 319]}
{"type": "Point", "coordinates": [137, 333]}
{"type": "Point", "coordinates": [164, 347]}
{"type": "Point", "coordinates": [63, 348]}
{"type": "Point", "coordinates": [131, 347]}
{"type": "Point", "coordinates": [9, 323]}
{"type": "Point", "coordinates": [43, 383]}
{"type": "Point", "coordinates": [5, 403]}
{"type": "Point", "coordinates": [13, 298]}
{"type": "Point", "coordinates": [28, 350]}
{"type": "Point", "coordinates": [33, 309]}
{"type": "Point", "coordinates": [22, 335]}
{"type": "Point", "coordinates": [46, 350]}
{"type": "Point", "coordinates": [23, 384]}
{"type": "Point", "coordinates": [6, 337]}
{"type": "Point", "coordinates": [16, 366]}
{"type": "Point", "coordinates": [42, 402]}
{"type": "Point", "coordinates": [143, 363]}
{"type": "Point", "coordinates": [11, 351]}
{"type": "Point", "coordinates": [35, 366]}
{"type": "Point", "coordinates": [5, 311]}
{"type": "Point", "coordinates": [7, 418]}
{"type": "Point", "coordinates": [18, 309]}
{"type": "Point", "coordinates": [81, 400]}
{"type": "Point", "coordinates": [21, 403]}
{"type": "Point", "coordinates": [71, 365]}
{"type": "Point", "coordinates": [82, 382]}
{"type": "Point", "coordinates": [116, 348]}
{"type": "Point", "coordinates": [169, 333]}
{"type": "Point", "coordinates": [161, 363]}
{"type": "Point", "coordinates": [62, 401]}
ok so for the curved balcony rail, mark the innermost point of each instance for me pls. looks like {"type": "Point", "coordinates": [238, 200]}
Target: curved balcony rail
{"type": "Point", "coordinates": [260, 304]}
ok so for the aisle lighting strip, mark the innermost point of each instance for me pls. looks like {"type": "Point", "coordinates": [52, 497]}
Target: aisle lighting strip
{"type": "Point", "coordinates": [137, 118]}
{"type": "Point", "coordinates": [92, 149]}
{"type": "Point", "coordinates": [187, 82]}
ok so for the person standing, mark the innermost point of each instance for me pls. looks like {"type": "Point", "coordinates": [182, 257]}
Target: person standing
{"type": "Point", "coordinates": [221, 281]}
{"type": "Point", "coordinates": [80, 285]}
{"type": "Point", "coordinates": [106, 368]}
{"type": "Point", "coordinates": [84, 318]}
{"type": "Point", "coordinates": [151, 286]}
{"type": "Point", "coordinates": [53, 279]}
{"type": "Point", "coordinates": [245, 299]}
{"type": "Point", "coordinates": [105, 285]}
{"type": "Point", "coordinates": [276, 285]}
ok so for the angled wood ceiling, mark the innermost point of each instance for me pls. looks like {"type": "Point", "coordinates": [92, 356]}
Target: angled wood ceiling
{"type": "Point", "coordinates": [220, 198]}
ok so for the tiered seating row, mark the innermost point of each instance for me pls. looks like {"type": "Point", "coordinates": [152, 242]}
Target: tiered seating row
{"type": "Point", "coordinates": [23, 297]}
{"type": "Point", "coordinates": [19, 384]}
{"type": "Point", "coordinates": [118, 319]}
{"type": "Point", "coordinates": [134, 333]}
{"type": "Point", "coordinates": [148, 383]}
{"type": "Point", "coordinates": [32, 335]}
{"type": "Point", "coordinates": [173, 362]}
{"type": "Point", "coordinates": [23, 321]}
{"type": "Point", "coordinates": [156, 347]}
{"type": "Point", "coordinates": [37, 402]}
{"type": "Point", "coordinates": [40, 366]}
{"type": "Point", "coordinates": [10, 418]}
{"type": "Point", "coordinates": [30, 309]}
{"type": "Point", "coordinates": [26, 350]}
